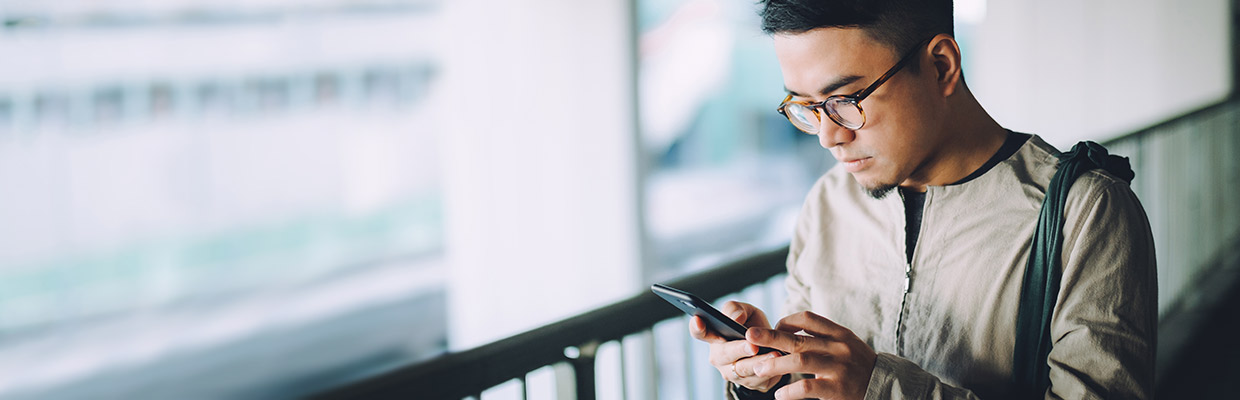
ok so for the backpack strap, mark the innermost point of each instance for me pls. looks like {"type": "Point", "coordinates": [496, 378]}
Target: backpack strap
{"type": "Point", "coordinates": [1040, 289]}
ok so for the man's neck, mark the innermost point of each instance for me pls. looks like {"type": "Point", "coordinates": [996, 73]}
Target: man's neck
{"type": "Point", "coordinates": [973, 137]}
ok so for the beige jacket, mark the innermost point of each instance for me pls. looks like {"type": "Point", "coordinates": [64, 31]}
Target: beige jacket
{"type": "Point", "coordinates": [951, 333]}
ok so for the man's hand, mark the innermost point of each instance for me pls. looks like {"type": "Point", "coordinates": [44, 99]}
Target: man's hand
{"type": "Point", "coordinates": [840, 362]}
{"type": "Point", "coordinates": [735, 359]}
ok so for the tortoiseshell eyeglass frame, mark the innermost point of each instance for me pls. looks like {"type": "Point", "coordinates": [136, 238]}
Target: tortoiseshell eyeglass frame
{"type": "Point", "coordinates": [853, 99]}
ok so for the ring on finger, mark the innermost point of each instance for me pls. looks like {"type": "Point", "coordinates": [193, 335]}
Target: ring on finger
{"type": "Point", "coordinates": [738, 374]}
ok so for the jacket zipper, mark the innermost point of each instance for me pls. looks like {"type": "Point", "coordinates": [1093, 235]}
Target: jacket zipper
{"type": "Point", "coordinates": [908, 276]}
{"type": "Point", "coordinates": [908, 283]}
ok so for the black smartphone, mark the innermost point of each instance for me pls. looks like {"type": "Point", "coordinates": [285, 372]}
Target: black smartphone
{"type": "Point", "coordinates": [714, 319]}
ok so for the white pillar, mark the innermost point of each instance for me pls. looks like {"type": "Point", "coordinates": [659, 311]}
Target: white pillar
{"type": "Point", "coordinates": [540, 159]}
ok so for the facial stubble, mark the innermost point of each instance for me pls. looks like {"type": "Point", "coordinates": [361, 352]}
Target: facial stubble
{"type": "Point", "coordinates": [878, 192]}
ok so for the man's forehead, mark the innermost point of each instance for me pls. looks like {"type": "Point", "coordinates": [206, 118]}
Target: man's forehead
{"type": "Point", "coordinates": [821, 58]}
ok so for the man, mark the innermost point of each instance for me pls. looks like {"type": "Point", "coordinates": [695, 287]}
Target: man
{"type": "Point", "coordinates": [915, 295]}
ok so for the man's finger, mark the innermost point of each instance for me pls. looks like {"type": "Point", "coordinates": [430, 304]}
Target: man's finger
{"type": "Point", "coordinates": [745, 314]}
{"type": "Point", "coordinates": [812, 324]}
{"type": "Point", "coordinates": [745, 367]}
{"type": "Point", "coordinates": [736, 311]}
{"type": "Point", "coordinates": [805, 388]}
{"type": "Point", "coordinates": [730, 352]}
{"type": "Point", "coordinates": [756, 318]}
{"type": "Point", "coordinates": [786, 341]}
{"type": "Point", "coordinates": [808, 363]}
{"type": "Point", "coordinates": [697, 329]}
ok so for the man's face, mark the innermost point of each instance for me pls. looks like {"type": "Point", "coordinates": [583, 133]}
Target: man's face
{"type": "Point", "coordinates": [901, 131]}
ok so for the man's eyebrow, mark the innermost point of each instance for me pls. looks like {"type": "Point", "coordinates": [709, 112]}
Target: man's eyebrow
{"type": "Point", "coordinates": [833, 86]}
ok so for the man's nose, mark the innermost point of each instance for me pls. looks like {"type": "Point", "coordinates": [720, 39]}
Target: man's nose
{"type": "Point", "coordinates": [831, 134]}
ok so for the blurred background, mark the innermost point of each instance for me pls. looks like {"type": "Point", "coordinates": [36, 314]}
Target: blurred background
{"type": "Point", "coordinates": [260, 199]}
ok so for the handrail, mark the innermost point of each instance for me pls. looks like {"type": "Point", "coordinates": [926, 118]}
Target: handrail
{"type": "Point", "coordinates": [1187, 115]}
{"type": "Point", "coordinates": [457, 375]}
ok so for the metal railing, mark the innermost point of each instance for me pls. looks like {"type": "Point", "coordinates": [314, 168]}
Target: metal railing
{"type": "Point", "coordinates": [574, 341]}
{"type": "Point", "coordinates": [1186, 173]}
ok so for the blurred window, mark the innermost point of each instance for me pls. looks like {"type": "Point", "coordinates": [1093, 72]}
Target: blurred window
{"type": "Point", "coordinates": [728, 173]}
{"type": "Point", "coordinates": [192, 210]}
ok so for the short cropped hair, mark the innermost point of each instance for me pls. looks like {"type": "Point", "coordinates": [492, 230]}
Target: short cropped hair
{"type": "Point", "coordinates": [899, 24]}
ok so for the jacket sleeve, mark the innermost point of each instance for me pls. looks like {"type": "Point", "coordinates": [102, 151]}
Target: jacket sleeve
{"type": "Point", "coordinates": [1104, 325]}
{"type": "Point", "coordinates": [1105, 319]}
{"type": "Point", "coordinates": [897, 378]}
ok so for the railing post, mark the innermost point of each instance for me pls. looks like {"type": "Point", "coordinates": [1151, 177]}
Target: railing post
{"type": "Point", "coordinates": [582, 360]}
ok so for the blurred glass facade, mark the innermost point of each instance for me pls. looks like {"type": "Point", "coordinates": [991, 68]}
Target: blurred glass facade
{"type": "Point", "coordinates": [726, 174]}
{"type": "Point", "coordinates": [245, 199]}
{"type": "Point", "coordinates": [215, 199]}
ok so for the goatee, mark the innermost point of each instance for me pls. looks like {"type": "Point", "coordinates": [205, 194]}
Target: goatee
{"type": "Point", "coordinates": [879, 192]}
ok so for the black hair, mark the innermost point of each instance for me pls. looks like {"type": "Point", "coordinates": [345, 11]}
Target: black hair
{"type": "Point", "coordinates": [898, 24]}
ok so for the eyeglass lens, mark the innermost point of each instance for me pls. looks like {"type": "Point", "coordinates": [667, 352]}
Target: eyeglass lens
{"type": "Point", "coordinates": [846, 113]}
{"type": "Point", "coordinates": [842, 111]}
{"type": "Point", "coordinates": [802, 117]}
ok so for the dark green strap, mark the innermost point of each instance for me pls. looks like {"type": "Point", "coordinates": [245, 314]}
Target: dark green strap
{"type": "Point", "coordinates": [1041, 284]}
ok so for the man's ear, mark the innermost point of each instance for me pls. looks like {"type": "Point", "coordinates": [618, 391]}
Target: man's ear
{"type": "Point", "coordinates": [945, 56]}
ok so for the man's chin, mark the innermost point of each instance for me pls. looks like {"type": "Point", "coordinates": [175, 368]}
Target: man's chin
{"type": "Point", "coordinates": [877, 190]}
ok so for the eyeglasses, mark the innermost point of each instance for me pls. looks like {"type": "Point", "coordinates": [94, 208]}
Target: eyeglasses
{"type": "Point", "coordinates": [844, 110]}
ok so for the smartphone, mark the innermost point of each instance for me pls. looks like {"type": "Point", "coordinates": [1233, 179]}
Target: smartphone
{"type": "Point", "coordinates": [714, 319]}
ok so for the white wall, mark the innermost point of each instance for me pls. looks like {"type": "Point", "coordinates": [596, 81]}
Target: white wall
{"type": "Point", "coordinates": [541, 201]}
{"type": "Point", "coordinates": [1072, 70]}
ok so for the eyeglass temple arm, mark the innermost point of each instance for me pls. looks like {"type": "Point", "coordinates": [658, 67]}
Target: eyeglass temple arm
{"type": "Point", "coordinates": [894, 69]}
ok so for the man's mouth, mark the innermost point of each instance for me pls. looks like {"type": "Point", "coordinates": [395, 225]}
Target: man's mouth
{"type": "Point", "coordinates": [854, 165]}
